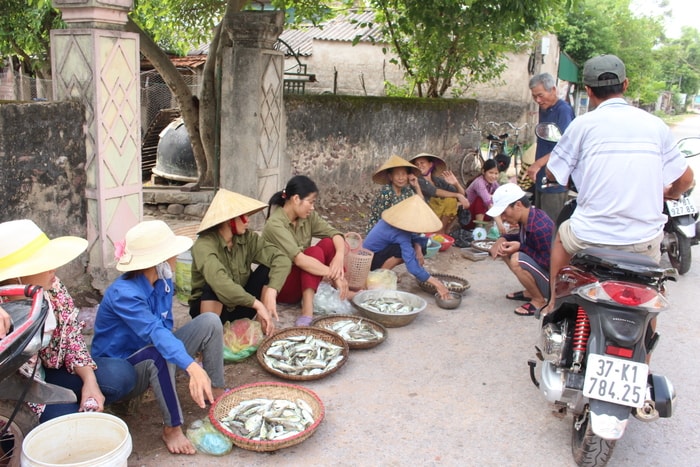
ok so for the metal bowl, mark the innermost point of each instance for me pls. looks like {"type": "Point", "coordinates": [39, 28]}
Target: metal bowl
{"type": "Point", "coordinates": [388, 319]}
{"type": "Point", "coordinates": [454, 300]}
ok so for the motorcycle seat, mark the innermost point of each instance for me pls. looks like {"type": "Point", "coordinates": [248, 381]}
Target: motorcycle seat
{"type": "Point", "coordinates": [618, 260]}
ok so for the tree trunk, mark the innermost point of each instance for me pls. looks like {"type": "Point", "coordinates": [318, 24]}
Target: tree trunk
{"type": "Point", "coordinates": [189, 104]}
{"type": "Point", "coordinates": [209, 96]}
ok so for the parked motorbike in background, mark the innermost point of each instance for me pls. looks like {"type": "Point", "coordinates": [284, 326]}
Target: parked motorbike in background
{"type": "Point", "coordinates": [23, 341]}
{"type": "Point", "coordinates": [680, 231]}
{"type": "Point", "coordinates": [592, 349]}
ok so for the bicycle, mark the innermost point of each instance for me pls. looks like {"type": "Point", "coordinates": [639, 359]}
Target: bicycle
{"type": "Point", "coordinates": [473, 161]}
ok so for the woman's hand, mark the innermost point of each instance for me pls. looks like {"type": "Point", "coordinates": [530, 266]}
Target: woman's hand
{"type": "Point", "coordinates": [419, 253]}
{"type": "Point", "coordinates": [200, 385]}
{"type": "Point", "coordinates": [264, 316]}
{"type": "Point", "coordinates": [342, 286]}
{"type": "Point", "coordinates": [5, 323]}
{"type": "Point", "coordinates": [463, 201]}
{"type": "Point", "coordinates": [269, 300]}
{"type": "Point", "coordinates": [336, 267]}
{"type": "Point", "coordinates": [90, 389]}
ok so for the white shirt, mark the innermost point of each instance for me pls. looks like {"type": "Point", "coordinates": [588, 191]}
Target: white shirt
{"type": "Point", "coordinates": [620, 158]}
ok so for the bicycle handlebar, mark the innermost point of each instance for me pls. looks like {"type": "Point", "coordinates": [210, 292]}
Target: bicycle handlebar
{"type": "Point", "coordinates": [512, 126]}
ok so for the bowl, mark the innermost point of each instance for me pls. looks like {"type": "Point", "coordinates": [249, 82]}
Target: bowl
{"type": "Point", "coordinates": [389, 319]}
{"type": "Point", "coordinates": [325, 335]}
{"type": "Point", "coordinates": [450, 303]}
{"type": "Point", "coordinates": [432, 248]}
{"type": "Point", "coordinates": [328, 321]}
{"type": "Point", "coordinates": [453, 283]}
{"type": "Point", "coordinates": [267, 390]}
{"type": "Point", "coordinates": [444, 240]}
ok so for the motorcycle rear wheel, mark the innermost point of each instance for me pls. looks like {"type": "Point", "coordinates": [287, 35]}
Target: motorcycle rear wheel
{"type": "Point", "coordinates": [679, 251]}
{"type": "Point", "coordinates": [589, 449]}
{"type": "Point", "coordinates": [11, 443]}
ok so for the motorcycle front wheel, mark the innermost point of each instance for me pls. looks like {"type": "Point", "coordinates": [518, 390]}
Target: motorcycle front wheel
{"type": "Point", "coordinates": [589, 449]}
{"type": "Point", "coordinates": [679, 251]}
{"type": "Point", "coordinates": [11, 442]}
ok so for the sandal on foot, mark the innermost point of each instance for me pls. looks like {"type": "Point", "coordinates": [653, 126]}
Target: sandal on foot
{"type": "Point", "coordinates": [518, 296]}
{"type": "Point", "coordinates": [527, 309]}
{"type": "Point", "coordinates": [304, 321]}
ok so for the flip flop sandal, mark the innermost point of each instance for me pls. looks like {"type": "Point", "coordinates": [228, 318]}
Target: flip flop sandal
{"type": "Point", "coordinates": [529, 308]}
{"type": "Point", "coordinates": [518, 296]}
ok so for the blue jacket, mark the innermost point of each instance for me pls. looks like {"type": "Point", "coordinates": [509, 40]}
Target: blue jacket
{"type": "Point", "coordinates": [382, 235]}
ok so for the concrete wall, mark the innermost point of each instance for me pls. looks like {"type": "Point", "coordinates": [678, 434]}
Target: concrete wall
{"type": "Point", "coordinates": [42, 172]}
{"type": "Point", "coordinates": [339, 141]}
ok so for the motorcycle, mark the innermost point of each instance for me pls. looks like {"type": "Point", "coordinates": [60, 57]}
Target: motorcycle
{"type": "Point", "coordinates": [593, 348]}
{"type": "Point", "coordinates": [23, 340]}
{"type": "Point", "coordinates": [680, 231]}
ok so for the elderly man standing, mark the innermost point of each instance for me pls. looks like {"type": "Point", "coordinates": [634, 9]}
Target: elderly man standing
{"type": "Point", "coordinates": [550, 199]}
{"type": "Point", "coordinates": [624, 163]}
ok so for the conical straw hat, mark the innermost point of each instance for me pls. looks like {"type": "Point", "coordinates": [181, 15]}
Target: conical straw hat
{"type": "Point", "coordinates": [228, 205]}
{"type": "Point", "coordinates": [440, 164]}
{"type": "Point", "coordinates": [412, 215]}
{"type": "Point", "coordinates": [381, 176]}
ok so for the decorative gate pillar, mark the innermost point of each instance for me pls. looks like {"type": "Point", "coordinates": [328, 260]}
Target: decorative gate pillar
{"type": "Point", "coordinates": [96, 62]}
{"type": "Point", "coordinates": [253, 126]}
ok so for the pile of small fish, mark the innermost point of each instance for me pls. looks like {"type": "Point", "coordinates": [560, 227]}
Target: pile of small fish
{"type": "Point", "coordinates": [355, 331]}
{"type": "Point", "coordinates": [453, 284]}
{"type": "Point", "coordinates": [303, 355]}
{"type": "Point", "coordinates": [387, 305]}
{"type": "Point", "coordinates": [268, 419]}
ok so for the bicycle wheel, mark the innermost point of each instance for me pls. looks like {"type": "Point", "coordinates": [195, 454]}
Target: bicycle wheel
{"type": "Point", "coordinates": [517, 156]}
{"type": "Point", "coordinates": [470, 168]}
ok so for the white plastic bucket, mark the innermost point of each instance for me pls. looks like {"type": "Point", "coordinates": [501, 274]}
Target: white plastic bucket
{"type": "Point", "coordinates": [78, 440]}
{"type": "Point", "coordinates": [183, 276]}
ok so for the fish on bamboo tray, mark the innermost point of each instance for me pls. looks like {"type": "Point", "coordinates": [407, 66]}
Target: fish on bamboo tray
{"type": "Point", "coordinates": [267, 416]}
{"type": "Point", "coordinates": [359, 332]}
{"type": "Point", "coordinates": [453, 283]}
{"type": "Point", "coordinates": [303, 353]}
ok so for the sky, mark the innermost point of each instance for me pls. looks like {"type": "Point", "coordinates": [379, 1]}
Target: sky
{"type": "Point", "coordinates": [684, 13]}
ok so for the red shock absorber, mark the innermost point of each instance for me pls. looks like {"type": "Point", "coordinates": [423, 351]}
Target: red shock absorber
{"type": "Point", "coordinates": [580, 341]}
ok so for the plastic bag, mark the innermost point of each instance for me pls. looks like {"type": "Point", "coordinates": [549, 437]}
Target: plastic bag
{"type": "Point", "coordinates": [241, 339]}
{"type": "Point", "coordinates": [207, 439]}
{"type": "Point", "coordinates": [327, 301]}
{"type": "Point", "coordinates": [382, 279]}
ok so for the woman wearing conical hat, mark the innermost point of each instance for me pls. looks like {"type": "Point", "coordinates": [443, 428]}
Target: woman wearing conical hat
{"type": "Point", "coordinates": [29, 257]}
{"type": "Point", "coordinates": [393, 239]}
{"type": "Point", "coordinates": [440, 188]}
{"type": "Point", "coordinates": [399, 180]}
{"type": "Point", "coordinates": [223, 281]}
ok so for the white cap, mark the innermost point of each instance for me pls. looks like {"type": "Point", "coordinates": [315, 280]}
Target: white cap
{"type": "Point", "coordinates": [505, 195]}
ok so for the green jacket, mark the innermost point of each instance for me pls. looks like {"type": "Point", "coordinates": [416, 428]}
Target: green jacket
{"type": "Point", "coordinates": [293, 240]}
{"type": "Point", "coordinates": [227, 270]}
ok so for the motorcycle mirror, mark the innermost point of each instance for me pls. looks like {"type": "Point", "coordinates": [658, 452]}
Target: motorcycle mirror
{"type": "Point", "coordinates": [689, 147]}
{"type": "Point", "coordinates": [548, 132]}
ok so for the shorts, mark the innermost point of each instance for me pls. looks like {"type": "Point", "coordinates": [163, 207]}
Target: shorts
{"type": "Point", "coordinates": [537, 272]}
{"type": "Point", "coordinates": [444, 207]}
{"type": "Point", "coordinates": [572, 244]}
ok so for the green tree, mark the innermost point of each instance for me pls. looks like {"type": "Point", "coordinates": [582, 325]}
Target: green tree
{"type": "Point", "coordinates": [443, 44]}
{"type": "Point", "coordinates": [593, 27]}
{"type": "Point", "coordinates": [679, 61]}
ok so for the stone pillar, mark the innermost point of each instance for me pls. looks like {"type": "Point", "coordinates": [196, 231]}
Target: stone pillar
{"type": "Point", "coordinates": [253, 126]}
{"type": "Point", "coordinates": [97, 63]}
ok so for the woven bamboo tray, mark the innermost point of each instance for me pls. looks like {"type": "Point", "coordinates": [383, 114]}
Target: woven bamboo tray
{"type": "Point", "coordinates": [325, 321]}
{"type": "Point", "coordinates": [430, 288]}
{"type": "Point", "coordinates": [268, 390]}
{"type": "Point", "coordinates": [319, 333]}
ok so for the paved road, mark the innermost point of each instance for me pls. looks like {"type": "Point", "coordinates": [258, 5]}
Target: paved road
{"type": "Point", "coordinates": [452, 389]}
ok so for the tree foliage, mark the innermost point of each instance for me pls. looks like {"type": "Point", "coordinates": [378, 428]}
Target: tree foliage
{"type": "Point", "coordinates": [455, 43]}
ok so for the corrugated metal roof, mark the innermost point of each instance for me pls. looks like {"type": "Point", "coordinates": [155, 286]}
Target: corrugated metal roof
{"type": "Point", "coordinates": [346, 28]}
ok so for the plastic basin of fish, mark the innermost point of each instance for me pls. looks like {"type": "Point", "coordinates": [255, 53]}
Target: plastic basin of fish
{"type": "Point", "coordinates": [432, 248]}
{"type": "Point", "coordinates": [320, 333]}
{"type": "Point", "coordinates": [267, 390]}
{"type": "Point", "coordinates": [390, 320]}
{"type": "Point", "coordinates": [328, 321]}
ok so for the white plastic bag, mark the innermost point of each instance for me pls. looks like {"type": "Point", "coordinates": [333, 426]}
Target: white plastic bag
{"type": "Point", "coordinates": [327, 301]}
{"type": "Point", "coordinates": [382, 279]}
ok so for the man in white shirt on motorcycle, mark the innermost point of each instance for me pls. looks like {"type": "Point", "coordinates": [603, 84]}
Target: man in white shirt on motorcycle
{"type": "Point", "coordinates": [624, 163]}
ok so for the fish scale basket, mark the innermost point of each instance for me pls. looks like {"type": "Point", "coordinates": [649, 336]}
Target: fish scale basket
{"type": "Point", "coordinates": [267, 390]}
{"type": "Point", "coordinates": [358, 261]}
{"type": "Point", "coordinates": [430, 288]}
{"type": "Point", "coordinates": [326, 321]}
{"type": "Point", "coordinates": [319, 333]}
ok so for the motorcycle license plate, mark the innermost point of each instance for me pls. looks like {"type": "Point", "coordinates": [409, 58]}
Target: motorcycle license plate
{"type": "Point", "coordinates": [681, 207]}
{"type": "Point", "coordinates": [615, 380]}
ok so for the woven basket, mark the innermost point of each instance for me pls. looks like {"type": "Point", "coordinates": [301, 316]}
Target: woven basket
{"type": "Point", "coordinates": [326, 321]}
{"type": "Point", "coordinates": [268, 390]}
{"type": "Point", "coordinates": [319, 333]}
{"type": "Point", "coordinates": [358, 261]}
{"type": "Point", "coordinates": [430, 288]}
